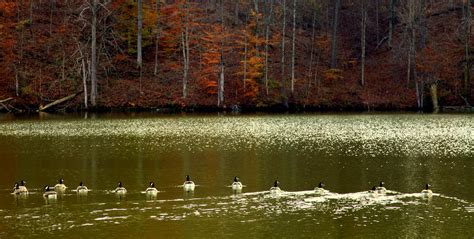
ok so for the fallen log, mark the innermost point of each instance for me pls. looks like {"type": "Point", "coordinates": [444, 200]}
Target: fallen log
{"type": "Point", "coordinates": [6, 100]}
{"type": "Point", "coordinates": [57, 102]}
{"type": "Point", "coordinates": [4, 104]}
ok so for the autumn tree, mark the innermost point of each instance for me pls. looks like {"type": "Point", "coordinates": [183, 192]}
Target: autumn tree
{"type": "Point", "coordinates": [253, 66]}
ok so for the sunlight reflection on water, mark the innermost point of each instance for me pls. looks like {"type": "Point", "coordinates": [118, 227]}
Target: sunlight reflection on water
{"type": "Point", "coordinates": [356, 134]}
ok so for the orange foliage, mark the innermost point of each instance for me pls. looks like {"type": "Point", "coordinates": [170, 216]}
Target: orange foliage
{"type": "Point", "coordinates": [255, 57]}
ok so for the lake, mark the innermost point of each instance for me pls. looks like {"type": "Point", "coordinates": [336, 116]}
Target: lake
{"type": "Point", "coordinates": [350, 153]}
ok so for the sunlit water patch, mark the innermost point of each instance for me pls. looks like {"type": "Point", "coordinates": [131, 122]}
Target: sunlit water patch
{"type": "Point", "coordinates": [357, 135]}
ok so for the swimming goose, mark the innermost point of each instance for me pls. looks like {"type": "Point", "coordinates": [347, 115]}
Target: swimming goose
{"type": "Point", "coordinates": [81, 189]}
{"type": "Point", "coordinates": [188, 185]}
{"type": "Point", "coordinates": [23, 186]}
{"type": "Point", "coordinates": [320, 188]}
{"type": "Point", "coordinates": [60, 187]}
{"type": "Point", "coordinates": [373, 192]}
{"type": "Point", "coordinates": [120, 190]}
{"type": "Point", "coordinates": [237, 185]}
{"type": "Point", "coordinates": [381, 189]}
{"type": "Point", "coordinates": [49, 194]}
{"type": "Point", "coordinates": [18, 189]}
{"type": "Point", "coordinates": [151, 190]}
{"type": "Point", "coordinates": [427, 191]}
{"type": "Point", "coordinates": [275, 189]}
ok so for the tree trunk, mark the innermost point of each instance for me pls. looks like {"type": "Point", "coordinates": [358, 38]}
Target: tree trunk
{"type": "Point", "coordinates": [94, 54]}
{"type": "Point", "coordinates": [423, 26]}
{"type": "Point", "coordinates": [185, 65]}
{"type": "Point", "coordinates": [139, 33]}
{"type": "Point", "coordinates": [363, 25]}
{"type": "Point", "coordinates": [185, 45]}
{"type": "Point", "coordinates": [84, 73]}
{"type": "Point", "coordinates": [236, 17]}
{"type": "Point", "coordinates": [267, 36]}
{"type": "Point", "coordinates": [467, 64]}
{"type": "Point", "coordinates": [377, 32]}
{"type": "Point", "coordinates": [311, 57]}
{"type": "Point", "coordinates": [293, 50]}
{"type": "Point", "coordinates": [282, 63]}
{"type": "Point", "coordinates": [139, 40]}
{"type": "Point", "coordinates": [18, 64]}
{"type": "Point", "coordinates": [57, 102]}
{"type": "Point", "coordinates": [51, 9]}
{"type": "Point", "coordinates": [337, 4]}
{"type": "Point", "coordinates": [390, 22]}
{"type": "Point", "coordinates": [31, 12]}
{"type": "Point", "coordinates": [84, 82]}
{"type": "Point", "coordinates": [245, 58]}
{"type": "Point", "coordinates": [412, 42]}
{"type": "Point", "coordinates": [220, 90]}
{"type": "Point", "coordinates": [17, 85]}
{"type": "Point", "coordinates": [316, 78]}
{"type": "Point", "coordinates": [257, 27]}
{"type": "Point", "coordinates": [157, 37]}
{"type": "Point", "coordinates": [220, 96]}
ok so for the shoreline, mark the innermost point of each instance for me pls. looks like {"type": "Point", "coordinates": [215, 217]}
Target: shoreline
{"type": "Point", "coordinates": [275, 109]}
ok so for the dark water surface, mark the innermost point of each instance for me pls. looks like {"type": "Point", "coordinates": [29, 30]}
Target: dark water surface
{"type": "Point", "coordinates": [350, 153]}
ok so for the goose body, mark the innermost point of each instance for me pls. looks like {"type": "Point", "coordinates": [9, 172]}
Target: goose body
{"type": "Point", "coordinates": [374, 192]}
{"type": "Point", "coordinates": [20, 190]}
{"type": "Point", "coordinates": [427, 191]}
{"type": "Point", "coordinates": [120, 190]}
{"type": "Point", "coordinates": [275, 189]}
{"type": "Point", "coordinates": [49, 194]}
{"type": "Point", "coordinates": [151, 190]}
{"type": "Point", "coordinates": [23, 188]}
{"type": "Point", "coordinates": [381, 189]}
{"type": "Point", "coordinates": [237, 185]}
{"type": "Point", "coordinates": [81, 189]}
{"type": "Point", "coordinates": [188, 185]}
{"type": "Point", "coordinates": [320, 189]}
{"type": "Point", "coordinates": [60, 187]}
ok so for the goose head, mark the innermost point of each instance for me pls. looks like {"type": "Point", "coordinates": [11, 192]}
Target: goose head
{"type": "Point", "coordinates": [236, 179]}
{"type": "Point", "coordinates": [46, 188]}
{"type": "Point", "coordinates": [17, 186]}
{"type": "Point", "coordinates": [427, 186]}
{"type": "Point", "coordinates": [61, 181]}
{"type": "Point", "coordinates": [81, 184]}
{"type": "Point", "coordinates": [188, 178]}
{"type": "Point", "coordinates": [381, 184]}
{"type": "Point", "coordinates": [152, 184]}
{"type": "Point", "coordinates": [22, 183]}
{"type": "Point", "coordinates": [120, 184]}
{"type": "Point", "coordinates": [276, 183]}
{"type": "Point", "coordinates": [321, 185]}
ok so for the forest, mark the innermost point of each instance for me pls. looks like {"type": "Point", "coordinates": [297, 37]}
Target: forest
{"type": "Point", "coordinates": [235, 54]}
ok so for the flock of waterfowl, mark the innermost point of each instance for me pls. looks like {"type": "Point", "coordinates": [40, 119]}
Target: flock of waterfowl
{"type": "Point", "coordinates": [188, 186]}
